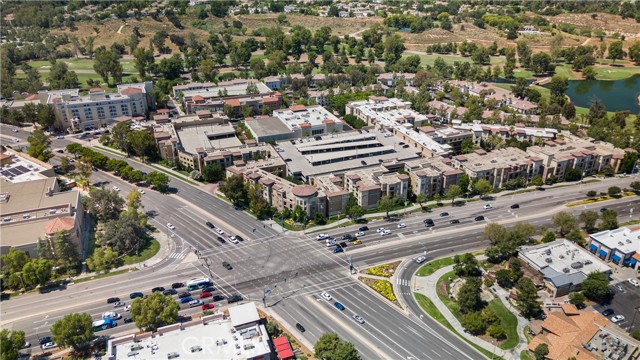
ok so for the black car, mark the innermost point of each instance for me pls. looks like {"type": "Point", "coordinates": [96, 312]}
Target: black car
{"type": "Point", "coordinates": [478, 218]}
{"type": "Point", "coordinates": [603, 210]}
{"type": "Point", "coordinates": [184, 294]}
{"type": "Point", "coordinates": [226, 265]}
{"type": "Point", "coordinates": [169, 292]}
{"type": "Point", "coordinates": [239, 238]}
{"type": "Point", "coordinates": [113, 300]}
{"type": "Point", "coordinates": [233, 299]}
{"type": "Point", "coordinates": [454, 221]}
{"type": "Point", "coordinates": [157, 289]}
{"type": "Point", "coordinates": [177, 285]}
{"type": "Point", "coordinates": [222, 241]}
{"type": "Point", "coordinates": [429, 223]}
{"type": "Point", "coordinates": [347, 237]}
{"type": "Point", "coordinates": [608, 312]}
{"type": "Point", "coordinates": [217, 297]}
{"type": "Point", "coordinates": [210, 225]}
{"type": "Point", "coordinates": [363, 228]}
{"type": "Point", "coordinates": [134, 295]}
{"type": "Point", "coordinates": [300, 327]}
{"type": "Point", "coordinates": [44, 340]}
{"type": "Point", "coordinates": [540, 188]}
{"type": "Point", "coordinates": [128, 320]}
{"type": "Point", "coordinates": [343, 244]}
{"type": "Point", "coordinates": [515, 206]}
{"type": "Point", "coordinates": [209, 289]}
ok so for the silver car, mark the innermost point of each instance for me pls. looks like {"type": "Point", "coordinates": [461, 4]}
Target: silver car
{"type": "Point", "coordinates": [358, 318]}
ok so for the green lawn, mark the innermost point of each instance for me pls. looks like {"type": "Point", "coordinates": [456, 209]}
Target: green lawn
{"type": "Point", "coordinates": [103, 275]}
{"type": "Point", "coordinates": [509, 322]}
{"type": "Point", "coordinates": [80, 64]}
{"type": "Point", "coordinates": [524, 355]}
{"type": "Point", "coordinates": [431, 267]}
{"type": "Point", "coordinates": [147, 253]}
{"type": "Point", "coordinates": [565, 70]}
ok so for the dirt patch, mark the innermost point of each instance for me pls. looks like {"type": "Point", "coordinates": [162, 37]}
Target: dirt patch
{"type": "Point", "coordinates": [369, 282]}
{"type": "Point", "coordinates": [442, 288]}
{"type": "Point", "coordinates": [610, 24]}
{"type": "Point", "coordinates": [295, 343]}
{"type": "Point", "coordinates": [339, 26]}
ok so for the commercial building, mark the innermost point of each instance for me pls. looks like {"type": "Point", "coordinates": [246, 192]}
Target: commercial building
{"type": "Point", "coordinates": [236, 94]}
{"type": "Point", "coordinates": [268, 129]}
{"type": "Point", "coordinates": [620, 246]}
{"type": "Point", "coordinates": [37, 209]}
{"type": "Point", "coordinates": [238, 336]}
{"type": "Point", "coordinates": [563, 264]}
{"type": "Point", "coordinates": [582, 335]}
{"type": "Point", "coordinates": [306, 121]}
{"type": "Point", "coordinates": [18, 167]}
{"type": "Point", "coordinates": [98, 108]}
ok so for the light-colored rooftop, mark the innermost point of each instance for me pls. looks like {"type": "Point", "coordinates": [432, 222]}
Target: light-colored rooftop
{"type": "Point", "coordinates": [207, 137]}
{"type": "Point", "coordinates": [23, 169]}
{"type": "Point", "coordinates": [298, 116]}
{"type": "Point", "coordinates": [267, 126]}
{"type": "Point", "coordinates": [243, 314]}
{"type": "Point", "coordinates": [230, 88]}
{"type": "Point", "coordinates": [625, 239]}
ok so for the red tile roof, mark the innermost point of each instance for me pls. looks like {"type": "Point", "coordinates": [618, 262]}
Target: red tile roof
{"type": "Point", "coordinates": [232, 102]}
{"type": "Point", "coordinates": [131, 90]}
{"type": "Point", "coordinates": [297, 107]}
{"type": "Point", "coordinates": [59, 224]}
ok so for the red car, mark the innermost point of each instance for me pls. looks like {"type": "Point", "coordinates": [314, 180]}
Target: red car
{"type": "Point", "coordinates": [207, 306]}
{"type": "Point", "coordinates": [205, 295]}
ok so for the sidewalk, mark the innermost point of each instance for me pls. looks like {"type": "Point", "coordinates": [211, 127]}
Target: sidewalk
{"type": "Point", "coordinates": [503, 295]}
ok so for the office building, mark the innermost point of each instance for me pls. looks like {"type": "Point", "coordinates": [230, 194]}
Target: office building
{"type": "Point", "coordinates": [236, 94]}
{"type": "Point", "coordinates": [620, 246]}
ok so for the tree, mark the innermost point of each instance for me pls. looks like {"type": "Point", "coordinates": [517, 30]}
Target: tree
{"type": "Point", "coordinates": [635, 185]}
{"type": "Point", "coordinates": [10, 343]}
{"type": "Point", "coordinates": [609, 220]}
{"type": "Point", "coordinates": [158, 180]}
{"type": "Point", "coordinates": [213, 172]}
{"type": "Point", "coordinates": [474, 323]}
{"type": "Point", "coordinates": [73, 330]}
{"type": "Point", "coordinates": [572, 174]}
{"type": "Point", "coordinates": [482, 187]}
{"type": "Point", "coordinates": [387, 203]}
{"type": "Point", "coordinates": [469, 299]}
{"type": "Point", "coordinates": [615, 51]}
{"type": "Point", "coordinates": [66, 252]}
{"type": "Point", "coordinates": [39, 146]}
{"type": "Point", "coordinates": [61, 78]}
{"type": "Point", "coordinates": [37, 272]}
{"type": "Point", "coordinates": [330, 347]}
{"type": "Point", "coordinates": [589, 73]}
{"type": "Point", "coordinates": [257, 203]}
{"type": "Point", "coordinates": [614, 191]}
{"type": "Point", "coordinates": [565, 222]}
{"type": "Point", "coordinates": [628, 162]}
{"type": "Point", "coordinates": [495, 232]}
{"type": "Point", "coordinates": [464, 181]}
{"type": "Point", "coordinates": [541, 351]}
{"type": "Point", "coordinates": [634, 52]}
{"type": "Point", "coordinates": [393, 49]}
{"type": "Point", "coordinates": [541, 63]}
{"type": "Point", "coordinates": [102, 259]}
{"type": "Point", "coordinates": [592, 194]}
{"type": "Point", "coordinates": [503, 278]}
{"type": "Point", "coordinates": [528, 302]}
{"type": "Point", "coordinates": [421, 198]}
{"type": "Point", "coordinates": [124, 234]}
{"type": "Point", "coordinates": [558, 85]}
{"type": "Point", "coordinates": [134, 200]}
{"type": "Point", "coordinates": [577, 299]}
{"type": "Point", "coordinates": [453, 192]}
{"type": "Point", "coordinates": [104, 204]}
{"type": "Point", "coordinates": [595, 286]}
{"type": "Point", "coordinates": [154, 311]}
{"type": "Point", "coordinates": [589, 219]}
{"type": "Point", "coordinates": [208, 70]}
{"type": "Point", "coordinates": [107, 63]}
{"type": "Point", "coordinates": [120, 136]}
{"type": "Point", "coordinates": [142, 59]}
{"type": "Point", "coordinates": [143, 144]}
{"type": "Point", "coordinates": [233, 188]}
{"type": "Point", "coordinates": [468, 146]}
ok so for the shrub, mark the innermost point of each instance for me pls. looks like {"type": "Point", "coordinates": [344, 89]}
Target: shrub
{"type": "Point", "coordinates": [474, 323]}
{"type": "Point", "coordinates": [385, 289]}
{"type": "Point", "coordinates": [380, 270]}
{"type": "Point", "coordinates": [496, 331]}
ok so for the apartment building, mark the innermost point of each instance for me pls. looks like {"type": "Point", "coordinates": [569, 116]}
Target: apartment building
{"type": "Point", "coordinates": [390, 79]}
{"type": "Point", "coordinates": [449, 136]}
{"type": "Point", "coordinates": [499, 166]}
{"type": "Point", "coordinates": [369, 185]}
{"type": "Point", "coordinates": [98, 109]}
{"type": "Point", "coordinates": [432, 176]}
{"type": "Point", "coordinates": [481, 132]}
{"type": "Point", "coordinates": [491, 93]}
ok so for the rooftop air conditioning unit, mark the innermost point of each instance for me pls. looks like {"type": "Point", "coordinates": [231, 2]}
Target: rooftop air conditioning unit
{"type": "Point", "coordinates": [565, 270]}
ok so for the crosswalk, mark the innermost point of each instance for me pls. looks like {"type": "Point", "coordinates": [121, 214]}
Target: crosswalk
{"type": "Point", "coordinates": [177, 255]}
{"type": "Point", "coordinates": [403, 282]}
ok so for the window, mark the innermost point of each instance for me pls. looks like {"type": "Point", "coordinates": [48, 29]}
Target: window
{"type": "Point", "coordinates": [88, 113]}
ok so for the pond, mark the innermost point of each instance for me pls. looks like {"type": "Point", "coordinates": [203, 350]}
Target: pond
{"type": "Point", "coordinates": [616, 95]}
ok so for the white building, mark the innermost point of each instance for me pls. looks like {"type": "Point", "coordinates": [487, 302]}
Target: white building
{"type": "Point", "coordinates": [309, 120]}
{"type": "Point", "coordinates": [621, 246]}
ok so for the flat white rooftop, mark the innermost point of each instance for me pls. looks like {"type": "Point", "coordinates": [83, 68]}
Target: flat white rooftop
{"type": "Point", "coordinates": [208, 137]}
{"type": "Point", "coordinates": [300, 116]}
{"type": "Point", "coordinates": [625, 240]}
{"type": "Point", "coordinates": [21, 169]}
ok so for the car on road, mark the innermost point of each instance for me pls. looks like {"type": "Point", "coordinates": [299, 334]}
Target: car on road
{"type": "Point", "coordinates": [194, 303]}
{"type": "Point", "coordinates": [620, 288]}
{"type": "Point", "coordinates": [14, 130]}
{"type": "Point", "coordinates": [205, 295]}
{"type": "Point", "coordinates": [170, 292]}
{"type": "Point", "coordinates": [385, 232]}
{"type": "Point", "coordinates": [420, 259]}
{"type": "Point", "coordinates": [127, 320]}
{"type": "Point", "coordinates": [134, 295]}
{"type": "Point", "coordinates": [515, 206]}
{"type": "Point", "coordinates": [338, 249]}
{"type": "Point", "coordinates": [170, 226]}
{"type": "Point", "coordinates": [112, 300]}
{"type": "Point", "coordinates": [300, 327]}
{"type": "Point", "coordinates": [44, 340]}
{"type": "Point", "coordinates": [227, 265]}
{"type": "Point", "coordinates": [157, 289]}
{"type": "Point", "coordinates": [185, 300]}
{"type": "Point", "coordinates": [141, 191]}
{"type": "Point", "coordinates": [49, 345]}
{"type": "Point", "coordinates": [16, 140]}
{"type": "Point", "coordinates": [222, 240]}
{"type": "Point", "coordinates": [540, 188]}
{"type": "Point", "coordinates": [322, 236]}
{"type": "Point", "coordinates": [331, 242]}
{"type": "Point", "coordinates": [359, 234]}
{"type": "Point", "coordinates": [444, 214]}
{"type": "Point", "coordinates": [111, 315]}
{"type": "Point", "coordinates": [239, 238]}
{"type": "Point", "coordinates": [234, 299]}
{"type": "Point", "coordinates": [402, 226]}
{"type": "Point", "coordinates": [60, 137]}
{"type": "Point", "coordinates": [363, 228]}
{"type": "Point", "coordinates": [220, 231]}
{"type": "Point", "coordinates": [209, 289]}
{"type": "Point", "coordinates": [339, 306]}
{"type": "Point", "coordinates": [326, 296]}
{"type": "Point", "coordinates": [608, 312]}
{"type": "Point", "coordinates": [210, 225]}
{"type": "Point", "coordinates": [218, 297]}
{"type": "Point", "coordinates": [207, 306]}
{"type": "Point", "coordinates": [356, 242]}
{"type": "Point", "coordinates": [233, 239]}
{"type": "Point", "coordinates": [347, 237]}
{"type": "Point", "coordinates": [429, 223]}
{"type": "Point", "coordinates": [379, 230]}
{"type": "Point", "coordinates": [487, 207]}
{"type": "Point", "coordinates": [118, 304]}
{"type": "Point", "coordinates": [116, 188]}
{"type": "Point", "coordinates": [127, 308]}
{"type": "Point", "coordinates": [617, 318]}
{"type": "Point", "coordinates": [633, 282]}
{"type": "Point", "coordinates": [177, 285]}
{"type": "Point", "coordinates": [358, 318]}
{"type": "Point", "coordinates": [184, 294]}
{"type": "Point", "coordinates": [478, 218]}
{"type": "Point", "coordinates": [454, 221]}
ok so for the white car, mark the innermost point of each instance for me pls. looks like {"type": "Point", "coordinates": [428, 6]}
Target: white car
{"type": "Point", "coordinates": [360, 233]}
{"type": "Point", "coordinates": [16, 140]}
{"type": "Point", "coordinates": [111, 315]}
{"type": "Point", "coordinates": [194, 303]}
{"type": "Point", "coordinates": [385, 232]}
{"type": "Point", "coordinates": [60, 137]}
{"type": "Point", "coordinates": [127, 308]}
{"type": "Point", "coordinates": [15, 130]}
{"type": "Point", "coordinates": [49, 345]}
{"type": "Point", "coordinates": [617, 318]}
{"type": "Point", "coordinates": [322, 236]}
{"type": "Point", "coordinates": [358, 318]}
{"type": "Point", "coordinates": [118, 304]}
{"type": "Point", "coordinates": [141, 191]}
{"type": "Point", "coordinates": [421, 259]}
{"type": "Point", "coordinates": [331, 242]}
{"type": "Point", "coordinates": [402, 226]}
{"type": "Point", "coordinates": [233, 239]}
{"type": "Point", "coordinates": [633, 282]}
{"type": "Point", "coordinates": [380, 230]}
{"type": "Point", "coordinates": [488, 207]}
{"type": "Point", "coordinates": [170, 226]}
{"type": "Point", "coordinates": [220, 231]}
{"type": "Point", "coordinates": [326, 296]}
{"type": "Point", "coordinates": [116, 188]}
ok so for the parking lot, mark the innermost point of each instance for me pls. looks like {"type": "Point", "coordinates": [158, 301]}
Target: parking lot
{"type": "Point", "coordinates": [624, 303]}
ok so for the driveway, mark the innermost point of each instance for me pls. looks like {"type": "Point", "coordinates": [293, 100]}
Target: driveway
{"type": "Point", "coordinates": [624, 304]}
